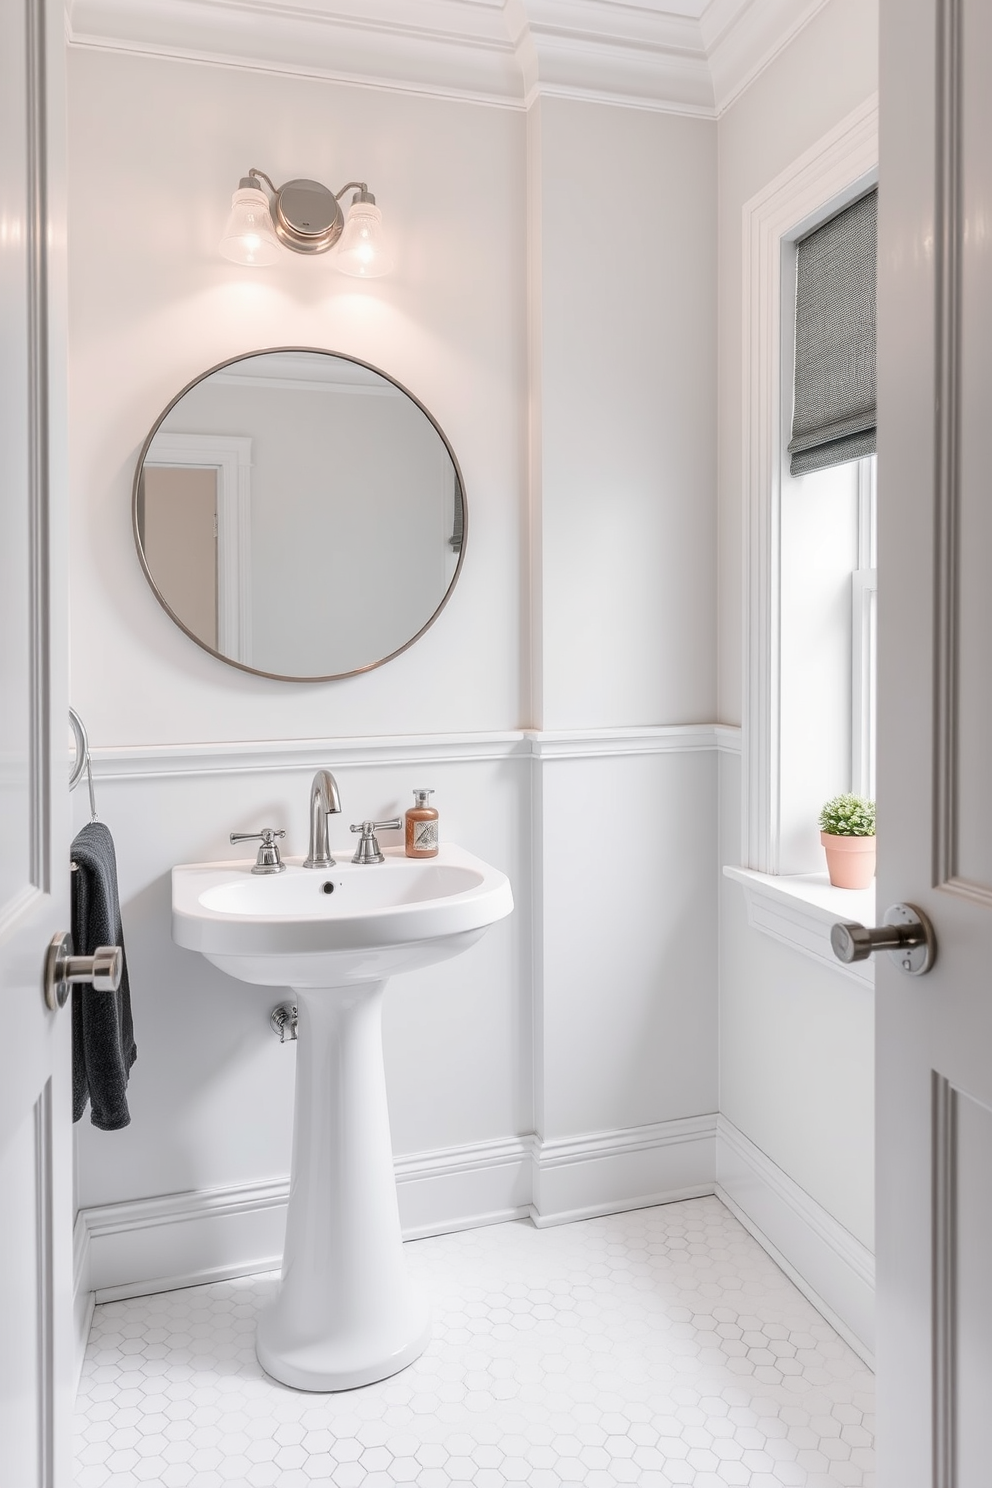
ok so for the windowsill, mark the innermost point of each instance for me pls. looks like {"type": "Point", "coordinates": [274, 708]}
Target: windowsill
{"type": "Point", "coordinates": [799, 909]}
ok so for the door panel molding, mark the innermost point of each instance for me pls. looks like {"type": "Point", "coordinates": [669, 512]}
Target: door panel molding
{"type": "Point", "coordinates": [961, 1287]}
{"type": "Point", "coordinates": [944, 1140]}
{"type": "Point", "coordinates": [947, 415]}
{"type": "Point", "coordinates": [44, 1208]}
{"type": "Point", "coordinates": [948, 242]}
{"type": "Point", "coordinates": [38, 431]}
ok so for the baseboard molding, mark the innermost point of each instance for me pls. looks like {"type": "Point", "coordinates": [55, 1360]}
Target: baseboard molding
{"type": "Point", "coordinates": [462, 1188]}
{"type": "Point", "coordinates": [824, 1260]}
{"type": "Point", "coordinates": [183, 1239]}
{"type": "Point", "coordinates": [607, 1172]}
{"type": "Point", "coordinates": [189, 1239]}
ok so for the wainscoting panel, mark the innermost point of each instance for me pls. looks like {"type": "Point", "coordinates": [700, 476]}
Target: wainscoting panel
{"type": "Point", "coordinates": [596, 1011]}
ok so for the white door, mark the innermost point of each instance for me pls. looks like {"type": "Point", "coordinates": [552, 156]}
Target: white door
{"type": "Point", "coordinates": [934, 1033]}
{"type": "Point", "coordinates": [35, 1109]}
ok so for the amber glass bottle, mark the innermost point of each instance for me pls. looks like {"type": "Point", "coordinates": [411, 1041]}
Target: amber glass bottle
{"type": "Point", "coordinates": [421, 827]}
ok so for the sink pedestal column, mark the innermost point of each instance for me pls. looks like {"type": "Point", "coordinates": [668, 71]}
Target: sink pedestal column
{"type": "Point", "coordinates": [346, 1312]}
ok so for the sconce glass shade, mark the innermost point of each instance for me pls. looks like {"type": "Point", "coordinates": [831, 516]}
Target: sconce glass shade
{"type": "Point", "coordinates": [362, 250]}
{"type": "Point", "coordinates": [249, 237]}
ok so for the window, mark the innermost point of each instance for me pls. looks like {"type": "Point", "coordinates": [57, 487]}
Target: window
{"type": "Point", "coordinates": [808, 578]}
{"type": "Point", "coordinates": [826, 613]}
{"type": "Point", "coordinates": [809, 554]}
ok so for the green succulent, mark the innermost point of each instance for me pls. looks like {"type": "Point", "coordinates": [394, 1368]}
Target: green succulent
{"type": "Point", "coordinates": [848, 816]}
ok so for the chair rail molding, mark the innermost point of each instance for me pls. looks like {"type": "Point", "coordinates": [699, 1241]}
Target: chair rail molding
{"type": "Point", "coordinates": [836, 170]}
{"type": "Point", "coordinates": [222, 757]}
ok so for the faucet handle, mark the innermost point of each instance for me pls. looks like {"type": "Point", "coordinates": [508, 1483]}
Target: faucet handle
{"type": "Point", "coordinates": [368, 849]}
{"type": "Point", "coordinates": [268, 860]}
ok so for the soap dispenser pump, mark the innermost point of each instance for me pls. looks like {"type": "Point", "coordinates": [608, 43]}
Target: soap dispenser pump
{"type": "Point", "coordinates": [421, 827]}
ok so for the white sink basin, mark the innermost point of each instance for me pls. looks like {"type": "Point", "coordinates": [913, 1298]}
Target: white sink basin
{"type": "Point", "coordinates": [345, 1313]}
{"type": "Point", "coordinates": [311, 927]}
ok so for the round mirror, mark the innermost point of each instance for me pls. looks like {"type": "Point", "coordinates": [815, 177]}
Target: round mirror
{"type": "Point", "coordinates": [299, 514]}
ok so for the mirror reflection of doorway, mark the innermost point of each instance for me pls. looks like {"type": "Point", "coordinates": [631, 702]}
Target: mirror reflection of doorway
{"type": "Point", "coordinates": [204, 481]}
{"type": "Point", "coordinates": [177, 524]}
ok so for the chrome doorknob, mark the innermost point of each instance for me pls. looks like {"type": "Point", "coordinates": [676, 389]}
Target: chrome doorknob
{"type": "Point", "coordinates": [103, 969]}
{"type": "Point", "coordinates": [906, 934]}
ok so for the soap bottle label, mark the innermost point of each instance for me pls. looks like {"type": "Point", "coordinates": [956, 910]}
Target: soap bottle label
{"type": "Point", "coordinates": [425, 835]}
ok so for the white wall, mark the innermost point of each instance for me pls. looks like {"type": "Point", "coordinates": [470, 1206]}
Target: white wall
{"type": "Point", "coordinates": [624, 328]}
{"type": "Point", "coordinates": [153, 304]}
{"type": "Point", "coordinates": [627, 974]}
{"type": "Point", "coordinates": [593, 1009]}
{"type": "Point", "coordinates": [796, 1039]}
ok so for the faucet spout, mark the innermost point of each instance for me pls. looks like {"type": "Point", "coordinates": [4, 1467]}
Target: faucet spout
{"type": "Point", "coordinates": [324, 799]}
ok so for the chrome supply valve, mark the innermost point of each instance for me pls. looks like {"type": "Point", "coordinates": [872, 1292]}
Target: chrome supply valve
{"type": "Point", "coordinates": [268, 860]}
{"type": "Point", "coordinates": [368, 849]}
{"type": "Point", "coordinates": [284, 1020]}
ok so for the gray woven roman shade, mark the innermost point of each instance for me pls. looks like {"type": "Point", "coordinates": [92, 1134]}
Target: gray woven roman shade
{"type": "Point", "coordinates": [833, 417]}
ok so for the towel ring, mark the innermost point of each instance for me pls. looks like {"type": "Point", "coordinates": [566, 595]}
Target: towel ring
{"type": "Point", "coordinates": [82, 759]}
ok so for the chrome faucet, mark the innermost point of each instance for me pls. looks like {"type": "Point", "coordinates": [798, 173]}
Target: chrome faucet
{"type": "Point", "coordinates": [324, 799]}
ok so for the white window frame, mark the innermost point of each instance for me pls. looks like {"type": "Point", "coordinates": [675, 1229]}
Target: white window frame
{"type": "Point", "coordinates": [864, 605]}
{"type": "Point", "coordinates": [833, 173]}
{"type": "Point", "coordinates": [230, 456]}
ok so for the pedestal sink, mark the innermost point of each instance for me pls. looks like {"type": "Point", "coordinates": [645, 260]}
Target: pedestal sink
{"type": "Point", "coordinates": [345, 1313]}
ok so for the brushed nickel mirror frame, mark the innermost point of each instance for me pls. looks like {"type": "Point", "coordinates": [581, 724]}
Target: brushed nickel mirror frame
{"type": "Point", "coordinates": [219, 655]}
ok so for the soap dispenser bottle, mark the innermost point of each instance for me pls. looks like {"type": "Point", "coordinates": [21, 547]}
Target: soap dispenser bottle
{"type": "Point", "coordinates": [421, 827]}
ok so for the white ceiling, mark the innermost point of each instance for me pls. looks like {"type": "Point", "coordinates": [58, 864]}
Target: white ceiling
{"type": "Point", "coordinates": [682, 56]}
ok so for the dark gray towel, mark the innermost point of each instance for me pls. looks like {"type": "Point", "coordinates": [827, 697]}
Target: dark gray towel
{"type": "Point", "coordinates": [103, 1048]}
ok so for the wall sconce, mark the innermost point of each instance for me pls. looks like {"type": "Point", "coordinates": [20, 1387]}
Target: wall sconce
{"type": "Point", "coordinates": [306, 217]}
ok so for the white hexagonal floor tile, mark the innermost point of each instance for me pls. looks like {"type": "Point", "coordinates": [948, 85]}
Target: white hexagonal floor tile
{"type": "Point", "coordinates": [661, 1346]}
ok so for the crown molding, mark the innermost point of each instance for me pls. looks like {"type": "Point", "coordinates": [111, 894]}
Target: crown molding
{"type": "Point", "coordinates": [446, 48]}
{"type": "Point", "coordinates": [742, 39]}
{"type": "Point", "coordinates": [674, 56]}
{"type": "Point", "coordinates": [638, 55]}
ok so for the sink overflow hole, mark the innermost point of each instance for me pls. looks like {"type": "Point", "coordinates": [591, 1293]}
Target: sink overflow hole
{"type": "Point", "coordinates": [327, 888]}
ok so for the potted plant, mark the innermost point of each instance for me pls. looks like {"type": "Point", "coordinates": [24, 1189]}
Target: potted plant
{"type": "Point", "coordinates": [847, 831]}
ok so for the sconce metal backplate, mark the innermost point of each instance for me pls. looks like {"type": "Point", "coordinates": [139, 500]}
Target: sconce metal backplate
{"type": "Point", "coordinates": [307, 217]}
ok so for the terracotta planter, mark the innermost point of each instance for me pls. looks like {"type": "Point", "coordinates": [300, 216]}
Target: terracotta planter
{"type": "Point", "coordinates": [850, 860]}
